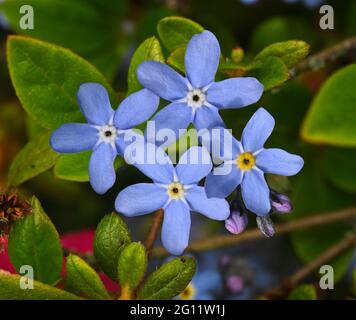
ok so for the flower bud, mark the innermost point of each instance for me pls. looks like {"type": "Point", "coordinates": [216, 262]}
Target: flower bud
{"type": "Point", "coordinates": [265, 224]}
{"type": "Point", "coordinates": [237, 221]}
{"type": "Point", "coordinates": [280, 203]}
{"type": "Point", "coordinates": [235, 284]}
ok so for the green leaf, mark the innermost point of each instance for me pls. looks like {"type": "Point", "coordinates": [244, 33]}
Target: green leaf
{"type": "Point", "coordinates": [10, 290]}
{"type": "Point", "coordinates": [34, 241]}
{"type": "Point", "coordinates": [89, 28]}
{"type": "Point", "coordinates": [176, 32]}
{"type": "Point", "coordinates": [176, 59]}
{"type": "Point", "coordinates": [111, 237]}
{"type": "Point", "coordinates": [304, 292]}
{"type": "Point", "coordinates": [74, 166]}
{"type": "Point", "coordinates": [291, 52]}
{"type": "Point", "coordinates": [313, 195]}
{"type": "Point", "coordinates": [83, 279]}
{"type": "Point", "coordinates": [150, 49]}
{"type": "Point", "coordinates": [169, 280]}
{"type": "Point", "coordinates": [331, 118]}
{"type": "Point", "coordinates": [340, 167]}
{"type": "Point", "coordinates": [36, 157]}
{"type": "Point", "coordinates": [278, 29]}
{"type": "Point", "coordinates": [271, 72]}
{"type": "Point", "coordinates": [46, 79]}
{"type": "Point", "coordinates": [132, 266]}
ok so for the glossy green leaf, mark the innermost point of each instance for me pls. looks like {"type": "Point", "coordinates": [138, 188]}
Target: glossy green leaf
{"type": "Point", "coordinates": [111, 237]}
{"type": "Point", "coordinates": [132, 266]}
{"type": "Point", "coordinates": [303, 292]}
{"type": "Point", "coordinates": [83, 279]}
{"type": "Point", "coordinates": [291, 52]}
{"type": "Point", "coordinates": [271, 72]}
{"type": "Point", "coordinates": [150, 49]}
{"type": "Point", "coordinates": [10, 290]}
{"type": "Point", "coordinates": [176, 59]}
{"type": "Point", "coordinates": [176, 32]}
{"type": "Point", "coordinates": [46, 79]}
{"type": "Point", "coordinates": [278, 29]}
{"type": "Point", "coordinates": [340, 167]}
{"type": "Point", "coordinates": [331, 118]}
{"type": "Point", "coordinates": [90, 28]}
{"type": "Point", "coordinates": [169, 280]}
{"type": "Point", "coordinates": [313, 195]}
{"type": "Point", "coordinates": [34, 241]}
{"type": "Point", "coordinates": [36, 157]}
{"type": "Point", "coordinates": [75, 166]}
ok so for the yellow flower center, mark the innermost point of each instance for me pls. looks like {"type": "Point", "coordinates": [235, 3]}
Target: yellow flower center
{"type": "Point", "coordinates": [245, 161]}
{"type": "Point", "coordinates": [175, 190]}
{"type": "Point", "coordinates": [188, 293]}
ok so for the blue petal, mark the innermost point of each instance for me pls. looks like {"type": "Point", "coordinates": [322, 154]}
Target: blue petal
{"type": "Point", "coordinates": [95, 103]}
{"type": "Point", "coordinates": [127, 138]}
{"type": "Point", "coordinates": [235, 93]}
{"type": "Point", "coordinates": [176, 227]}
{"type": "Point", "coordinates": [213, 208]}
{"type": "Point", "coordinates": [220, 186]}
{"type": "Point", "coordinates": [202, 59]}
{"type": "Point", "coordinates": [141, 198]}
{"type": "Point", "coordinates": [151, 161]}
{"type": "Point", "coordinates": [101, 168]}
{"type": "Point", "coordinates": [257, 130]}
{"type": "Point", "coordinates": [255, 192]}
{"type": "Point", "coordinates": [136, 109]}
{"type": "Point", "coordinates": [278, 161]}
{"type": "Point", "coordinates": [162, 80]}
{"type": "Point", "coordinates": [169, 124]}
{"type": "Point", "coordinates": [194, 165]}
{"type": "Point", "coordinates": [221, 144]}
{"type": "Point", "coordinates": [207, 118]}
{"type": "Point", "coordinates": [74, 137]}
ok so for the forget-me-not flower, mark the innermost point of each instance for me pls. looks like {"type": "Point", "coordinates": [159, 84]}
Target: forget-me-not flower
{"type": "Point", "coordinates": [248, 161]}
{"type": "Point", "coordinates": [176, 191]}
{"type": "Point", "coordinates": [105, 131]}
{"type": "Point", "coordinates": [196, 98]}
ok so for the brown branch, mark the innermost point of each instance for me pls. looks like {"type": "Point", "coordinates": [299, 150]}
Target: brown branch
{"type": "Point", "coordinates": [326, 256]}
{"type": "Point", "coordinates": [332, 252]}
{"type": "Point", "coordinates": [319, 60]}
{"type": "Point", "coordinates": [152, 235]}
{"type": "Point", "coordinates": [255, 234]}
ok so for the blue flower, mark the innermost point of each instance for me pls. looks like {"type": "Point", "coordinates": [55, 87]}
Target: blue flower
{"type": "Point", "coordinates": [197, 98]}
{"type": "Point", "coordinates": [247, 162]}
{"type": "Point", "coordinates": [105, 131]}
{"type": "Point", "coordinates": [176, 190]}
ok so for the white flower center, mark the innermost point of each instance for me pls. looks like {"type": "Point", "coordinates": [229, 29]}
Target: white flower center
{"type": "Point", "coordinates": [196, 98]}
{"type": "Point", "coordinates": [108, 134]}
{"type": "Point", "coordinates": [175, 190]}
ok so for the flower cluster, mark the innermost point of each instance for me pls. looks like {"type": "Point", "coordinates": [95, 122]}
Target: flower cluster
{"type": "Point", "coordinates": [195, 99]}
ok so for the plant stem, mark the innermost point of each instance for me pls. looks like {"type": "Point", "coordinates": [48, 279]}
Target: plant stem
{"type": "Point", "coordinates": [322, 259]}
{"type": "Point", "coordinates": [255, 234]}
{"type": "Point", "coordinates": [319, 60]}
{"type": "Point", "coordinates": [291, 282]}
{"type": "Point", "coordinates": [152, 235]}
